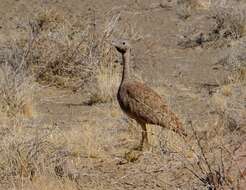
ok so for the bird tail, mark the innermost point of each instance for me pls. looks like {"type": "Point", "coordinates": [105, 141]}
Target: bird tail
{"type": "Point", "coordinates": [180, 131]}
{"type": "Point", "coordinates": [171, 121]}
{"type": "Point", "coordinates": [177, 126]}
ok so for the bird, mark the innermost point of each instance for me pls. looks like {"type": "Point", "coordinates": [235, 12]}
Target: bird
{"type": "Point", "coordinates": [141, 103]}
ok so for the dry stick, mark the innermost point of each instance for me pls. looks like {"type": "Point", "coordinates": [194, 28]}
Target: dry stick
{"type": "Point", "coordinates": [230, 154]}
{"type": "Point", "coordinates": [199, 164]}
{"type": "Point", "coordinates": [77, 47]}
{"type": "Point", "coordinates": [201, 149]}
{"type": "Point", "coordinates": [192, 171]}
{"type": "Point", "coordinates": [33, 35]}
{"type": "Point", "coordinates": [82, 40]}
{"type": "Point", "coordinates": [222, 163]}
{"type": "Point", "coordinates": [223, 168]}
{"type": "Point", "coordinates": [196, 175]}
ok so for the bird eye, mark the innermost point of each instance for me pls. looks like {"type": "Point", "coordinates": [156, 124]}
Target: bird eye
{"type": "Point", "coordinates": [124, 43]}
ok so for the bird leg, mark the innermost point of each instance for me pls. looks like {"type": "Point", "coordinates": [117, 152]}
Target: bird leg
{"type": "Point", "coordinates": [144, 141]}
{"type": "Point", "coordinates": [144, 138]}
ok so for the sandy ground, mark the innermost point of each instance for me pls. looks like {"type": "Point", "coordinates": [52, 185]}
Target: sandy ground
{"type": "Point", "coordinates": [101, 134]}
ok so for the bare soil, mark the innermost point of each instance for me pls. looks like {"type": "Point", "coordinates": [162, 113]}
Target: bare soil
{"type": "Point", "coordinates": [100, 135]}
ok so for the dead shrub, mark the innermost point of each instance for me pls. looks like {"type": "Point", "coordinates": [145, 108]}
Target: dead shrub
{"type": "Point", "coordinates": [105, 72]}
{"type": "Point", "coordinates": [59, 52]}
{"type": "Point", "coordinates": [27, 155]}
{"type": "Point", "coordinates": [230, 21]}
{"type": "Point", "coordinates": [16, 83]}
{"type": "Point", "coordinates": [71, 53]}
{"type": "Point", "coordinates": [235, 61]}
{"type": "Point", "coordinates": [107, 81]}
{"type": "Point", "coordinates": [230, 107]}
{"type": "Point", "coordinates": [184, 9]}
{"type": "Point", "coordinates": [215, 163]}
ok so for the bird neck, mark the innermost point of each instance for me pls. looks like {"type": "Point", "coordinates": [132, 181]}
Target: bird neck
{"type": "Point", "coordinates": [126, 67]}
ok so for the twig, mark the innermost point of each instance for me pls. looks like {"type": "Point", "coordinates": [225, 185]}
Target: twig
{"type": "Point", "coordinates": [201, 148]}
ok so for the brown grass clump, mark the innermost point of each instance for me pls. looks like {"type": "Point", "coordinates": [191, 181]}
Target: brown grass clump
{"type": "Point", "coordinates": [27, 157]}
{"type": "Point", "coordinates": [186, 7]}
{"type": "Point", "coordinates": [235, 61]}
{"type": "Point", "coordinates": [106, 73]}
{"type": "Point", "coordinates": [226, 90]}
{"type": "Point", "coordinates": [229, 105]}
{"type": "Point", "coordinates": [50, 183]}
{"type": "Point", "coordinates": [230, 20]}
{"type": "Point", "coordinates": [213, 163]}
{"type": "Point", "coordinates": [72, 53]}
{"type": "Point", "coordinates": [227, 20]}
{"type": "Point", "coordinates": [107, 81]}
{"type": "Point", "coordinates": [59, 52]}
{"type": "Point", "coordinates": [16, 86]}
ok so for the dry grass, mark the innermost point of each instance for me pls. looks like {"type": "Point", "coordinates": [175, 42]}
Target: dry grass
{"type": "Point", "coordinates": [227, 20]}
{"type": "Point", "coordinates": [28, 158]}
{"type": "Point", "coordinates": [185, 8]}
{"type": "Point", "coordinates": [230, 19]}
{"type": "Point", "coordinates": [44, 156]}
{"type": "Point", "coordinates": [50, 183]}
{"type": "Point", "coordinates": [74, 53]}
{"type": "Point", "coordinates": [106, 72]}
{"type": "Point", "coordinates": [66, 53]}
{"type": "Point", "coordinates": [226, 90]}
{"type": "Point", "coordinates": [208, 162]}
{"type": "Point", "coordinates": [60, 53]}
{"type": "Point", "coordinates": [229, 104]}
{"type": "Point", "coordinates": [107, 80]}
{"type": "Point", "coordinates": [16, 84]}
{"type": "Point", "coordinates": [235, 61]}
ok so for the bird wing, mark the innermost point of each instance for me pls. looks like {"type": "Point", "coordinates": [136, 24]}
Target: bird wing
{"type": "Point", "coordinates": [144, 103]}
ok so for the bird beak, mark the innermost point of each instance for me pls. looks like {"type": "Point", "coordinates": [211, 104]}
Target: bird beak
{"type": "Point", "coordinates": [114, 43]}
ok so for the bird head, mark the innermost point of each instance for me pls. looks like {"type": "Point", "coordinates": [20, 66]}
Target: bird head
{"type": "Point", "coordinates": [121, 45]}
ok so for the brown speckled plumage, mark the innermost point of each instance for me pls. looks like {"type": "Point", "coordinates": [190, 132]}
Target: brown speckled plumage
{"type": "Point", "coordinates": [142, 103]}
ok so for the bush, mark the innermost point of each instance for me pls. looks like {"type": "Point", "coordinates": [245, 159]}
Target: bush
{"type": "Point", "coordinates": [16, 83]}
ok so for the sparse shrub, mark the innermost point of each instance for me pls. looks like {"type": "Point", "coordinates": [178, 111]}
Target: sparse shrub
{"type": "Point", "coordinates": [107, 81]}
{"type": "Point", "coordinates": [235, 61]}
{"type": "Point", "coordinates": [227, 23]}
{"type": "Point", "coordinates": [106, 73]}
{"type": "Point", "coordinates": [229, 105]}
{"type": "Point", "coordinates": [226, 90]}
{"type": "Point", "coordinates": [230, 21]}
{"type": "Point", "coordinates": [72, 54]}
{"type": "Point", "coordinates": [214, 163]}
{"type": "Point", "coordinates": [16, 84]}
{"type": "Point", "coordinates": [30, 153]}
{"type": "Point", "coordinates": [59, 52]}
{"type": "Point", "coordinates": [184, 8]}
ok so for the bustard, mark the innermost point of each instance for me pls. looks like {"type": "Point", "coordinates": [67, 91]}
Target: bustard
{"type": "Point", "coordinates": [142, 103]}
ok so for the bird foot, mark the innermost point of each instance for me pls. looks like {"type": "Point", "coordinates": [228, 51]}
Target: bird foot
{"type": "Point", "coordinates": [142, 147]}
{"type": "Point", "coordinates": [137, 148]}
{"type": "Point", "coordinates": [132, 155]}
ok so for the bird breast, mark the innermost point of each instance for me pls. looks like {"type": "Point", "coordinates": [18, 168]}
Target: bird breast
{"type": "Point", "coordinates": [141, 102]}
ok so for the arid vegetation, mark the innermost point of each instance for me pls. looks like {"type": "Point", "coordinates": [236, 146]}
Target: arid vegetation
{"type": "Point", "coordinates": [60, 125]}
